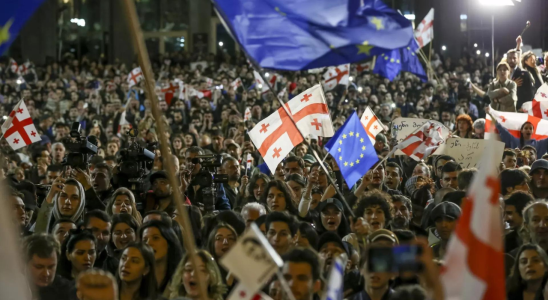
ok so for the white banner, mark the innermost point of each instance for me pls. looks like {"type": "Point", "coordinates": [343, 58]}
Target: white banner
{"type": "Point", "coordinates": [467, 152]}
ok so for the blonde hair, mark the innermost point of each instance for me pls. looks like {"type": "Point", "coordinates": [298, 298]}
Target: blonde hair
{"type": "Point", "coordinates": [216, 287]}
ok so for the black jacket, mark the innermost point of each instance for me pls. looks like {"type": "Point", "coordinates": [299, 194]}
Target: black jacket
{"type": "Point", "coordinates": [61, 288]}
{"type": "Point", "coordinates": [526, 92]}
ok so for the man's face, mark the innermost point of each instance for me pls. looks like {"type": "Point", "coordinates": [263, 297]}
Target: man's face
{"type": "Point", "coordinates": [540, 179]}
{"type": "Point", "coordinates": [510, 161]}
{"type": "Point", "coordinates": [445, 117]}
{"type": "Point", "coordinates": [538, 225]}
{"type": "Point", "coordinates": [449, 179]}
{"type": "Point", "coordinates": [51, 176]}
{"type": "Point", "coordinates": [512, 217]}
{"type": "Point", "coordinates": [445, 227]}
{"type": "Point", "coordinates": [279, 236]}
{"type": "Point", "coordinates": [232, 169]}
{"type": "Point", "coordinates": [420, 170]}
{"type": "Point", "coordinates": [58, 153]}
{"type": "Point", "coordinates": [163, 106]}
{"type": "Point", "coordinates": [377, 176]}
{"type": "Point", "coordinates": [328, 253]}
{"type": "Point", "coordinates": [61, 231]}
{"type": "Point", "coordinates": [194, 168]}
{"type": "Point", "coordinates": [402, 215]}
{"type": "Point", "coordinates": [250, 215]}
{"type": "Point", "coordinates": [300, 151]}
{"type": "Point", "coordinates": [234, 151]}
{"type": "Point", "coordinates": [41, 271]}
{"type": "Point", "coordinates": [512, 59]}
{"type": "Point", "coordinates": [100, 180]}
{"type": "Point", "coordinates": [393, 178]}
{"type": "Point", "coordinates": [480, 133]}
{"type": "Point", "coordinates": [217, 141]}
{"type": "Point", "coordinates": [177, 117]}
{"type": "Point", "coordinates": [69, 200]}
{"type": "Point", "coordinates": [293, 168]}
{"type": "Point", "coordinates": [101, 231]}
{"type": "Point", "coordinates": [161, 188]}
{"type": "Point", "coordinates": [374, 216]}
{"type": "Point", "coordinates": [300, 280]}
{"type": "Point", "coordinates": [19, 211]}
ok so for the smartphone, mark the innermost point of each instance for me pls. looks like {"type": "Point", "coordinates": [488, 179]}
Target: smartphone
{"type": "Point", "coordinates": [394, 259]}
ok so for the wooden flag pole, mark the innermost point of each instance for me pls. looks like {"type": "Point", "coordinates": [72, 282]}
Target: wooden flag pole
{"type": "Point", "coordinates": [144, 62]}
{"type": "Point", "coordinates": [430, 57]}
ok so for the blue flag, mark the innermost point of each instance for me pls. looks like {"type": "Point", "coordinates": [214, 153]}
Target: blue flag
{"type": "Point", "coordinates": [306, 34]}
{"type": "Point", "coordinates": [390, 64]}
{"type": "Point", "coordinates": [352, 149]}
{"type": "Point", "coordinates": [13, 15]}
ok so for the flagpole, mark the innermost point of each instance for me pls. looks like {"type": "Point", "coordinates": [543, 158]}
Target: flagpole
{"type": "Point", "coordinates": [144, 61]}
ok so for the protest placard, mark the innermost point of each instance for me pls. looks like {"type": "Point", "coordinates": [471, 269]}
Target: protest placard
{"type": "Point", "coordinates": [467, 152]}
{"type": "Point", "coordinates": [403, 127]}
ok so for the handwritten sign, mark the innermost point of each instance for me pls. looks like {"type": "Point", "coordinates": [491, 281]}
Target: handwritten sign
{"type": "Point", "coordinates": [467, 152]}
{"type": "Point", "coordinates": [403, 127]}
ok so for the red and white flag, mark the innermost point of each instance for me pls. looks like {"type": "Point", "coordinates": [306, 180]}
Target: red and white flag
{"type": "Point", "coordinates": [182, 89]}
{"type": "Point", "coordinates": [371, 124]}
{"type": "Point", "coordinates": [425, 31]}
{"type": "Point", "coordinates": [236, 83]}
{"type": "Point", "coordinates": [539, 106]}
{"type": "Point", "coordinates": [19, 130]}
{"type": "Point", "coordinates": [247, 114]}
{"type": "Point", "coordinates": [366, 66]}
{"type": "Point", "coordinates": [260, 82]}
{"type": "Point", "coordinates": [240, 292]}
{"type": "Point", "coordinates": [135, 76]}
{"type": "Point", "coordinates": [209, 81]}
{"type": "Point", "coordinates": [513, 122]}
{"type": "Point", "coordinates": [335, 76]}
{"type": "Point", "coordinates": [276, 135]}
{"type": "Point", "coordinates": [13, 65]}
{"type": "Point", "coordinates": [170, 90]}
{"type": "Point", "coordinates": [425, 141]}
{"type": "Point", "coordinates": [474, 262]}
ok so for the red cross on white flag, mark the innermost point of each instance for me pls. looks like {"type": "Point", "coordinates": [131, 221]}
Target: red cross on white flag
{"type": "Point", "coordinates": [13, 65]}
{"type": "Point", "coordinates": [539, 106]}
{"type": "Point", "coordinates": [335, 76]}
{"type": "Point", "coordinates": [236, 83]}
{"type": "Point", "coordinates": [366, 66]}
{"type": "Point", "coordinates": [260, 83]}
{"type": "Point", "coordinates": [371, 124]}
{"type": "Point", "coordinates": [247, 114]}
{"type": "Point", "coordinates": [134, 77]}
{"type": "Point", "coordinates": [19, 130]}
{"type": "Point", "coordinates": [512, 122]}
{"type": "Point", "coordinates": [276, 135]}
{"type": "Point", "coordinates": [425, 31]}
{"type": "Point", "coordinates": [169, 91]}
{"type": "Point", "coordinates": [240, 292]}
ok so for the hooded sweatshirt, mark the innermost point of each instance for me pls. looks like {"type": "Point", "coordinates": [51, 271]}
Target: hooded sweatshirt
{"type": "Point", "coordinates": [49, 212]}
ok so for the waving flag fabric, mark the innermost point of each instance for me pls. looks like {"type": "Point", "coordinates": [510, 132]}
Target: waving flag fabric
{"type": "Point", "coordinates": [13, 15]}
{"type": "Point", "coordinates": [308, 34]}
{"type": "Point", "coordinates": [405, 59]}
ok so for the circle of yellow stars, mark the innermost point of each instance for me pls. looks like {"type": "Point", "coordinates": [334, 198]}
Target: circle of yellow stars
{"type": "Point", "coordinates": [357, 136]}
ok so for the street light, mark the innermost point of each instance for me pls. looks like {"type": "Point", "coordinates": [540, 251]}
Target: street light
{"type": "Point", "coordinates": [350, 78]}
{"type": "Point", "coordinates": [443, 48]}
{"type": "Point", "coordinates": [494, 3]}
{"type": "Point", "coordinates": [478, 52]}
{"type": "Point", "coordinates": [221, 44]}
{"type": "Point", "coordinates": [486, 54]}
{"type": "Point", "coordinates": [475, 45]}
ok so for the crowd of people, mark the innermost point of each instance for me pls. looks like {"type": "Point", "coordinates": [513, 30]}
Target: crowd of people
{"type": "Point", "coordinates": [101, 215]}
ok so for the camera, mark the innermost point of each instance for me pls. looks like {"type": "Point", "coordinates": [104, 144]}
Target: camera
{"type": "Point", "coordinates": [134, 164]}
{"type": "Point", "coordinates": [80, 148]}
{"type": "Point", "coordinates": [207, 178]}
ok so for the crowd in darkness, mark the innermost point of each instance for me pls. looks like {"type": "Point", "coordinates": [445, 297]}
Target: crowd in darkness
{"type": "Point", "coordinates": [75, 218]}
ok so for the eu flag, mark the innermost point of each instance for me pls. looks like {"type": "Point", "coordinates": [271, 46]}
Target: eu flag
{"type": "Point", "coordinates": [13, 15]}
{"type": "Point", "coordinates": [352, 149]}
{"type": "Point", "coordinates": [390, 64]}
{"type": "Point", "coordinates": [306, 34]}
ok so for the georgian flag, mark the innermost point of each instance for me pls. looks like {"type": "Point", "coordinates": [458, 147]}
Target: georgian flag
{"type": "Point", "coordinates": [134, 77]}
{"type": "Point", "coordinates": [247, 114]}
{"type": "Point", "coordinates": [425, 31]}
{"type": "Point", "coordinates": [236, 83]}
{"type": "Point", "coordinates": [19, 130]}
{"type": "Point", "coordinates": [425, 141]}
{"type": "Point", "coordinates": [474, 262]}
{"type": "Point", "coordinates": [371, 124]}
{"type": "Point", "coordinates": [276, 135]}
{"type": "Point", "coordinates": [513, 122]}
{"type": "Point", "coordinates": [335, 76]}
{"type": "Point", "coordinates": [539, 106]}
{"type": "Point", "coordinates": [261, 84]}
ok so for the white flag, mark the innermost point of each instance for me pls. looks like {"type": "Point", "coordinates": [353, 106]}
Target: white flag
{"type": "Point", "coordinates": [335, 76]}
{"type": "Point", "coordinates": [247, 115]}
{"type": "Point", "coordinates": [240, 292]}
{"type": "Point", "coordinates": [425, 31]}
{"type": "Point", "coordinates": [134, 76]}
{"type": "Point", "coordinates": [310, 112]}
{"type": "Point", "coordinates": [236, 83]}
{"type": "Point", "coordinates": [19, 130]}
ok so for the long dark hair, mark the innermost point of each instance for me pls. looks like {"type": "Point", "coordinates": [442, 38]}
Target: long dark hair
{"type": "Point", "coordinates": [64, 267]}
{"type": "Point", "coordinates": [174, 251]}
{"type": "Point", "coordinates": [253, 183]}
{"type": "Point", "coordinates": [521, 141]}
{"type": "Point", "coordinates": [288, 195]}
{"type": "Point", "coordinates": [514, 283]}
{"type": "Point", "coordinates": [122, 218]}
{"type": "Point", "coordinates": [149, 287]}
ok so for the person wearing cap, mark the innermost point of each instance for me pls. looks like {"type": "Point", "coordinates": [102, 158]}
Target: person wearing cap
{"type": "Point", "coordinates": [539, 179]}
{"type": "Point", "coordinates": [503, 91]}
{"type": "Point", "coordinates": [332, 218]}
{"type": "Point", "coordinates": [445, 216]}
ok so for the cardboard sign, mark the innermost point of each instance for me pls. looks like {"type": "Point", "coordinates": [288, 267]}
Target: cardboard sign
{"type": "Point", "coordinates": [467, 152]}
{"type": "Point", "coordinates": [252, 260]}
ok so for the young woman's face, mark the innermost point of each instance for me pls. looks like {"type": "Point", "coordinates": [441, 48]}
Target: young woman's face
{"type": "Point", "coordinates": [531, 266]}
{"type": "Point", "coordinates": [275, 199]}
{"type": "Point", "coordinates": [188, 139]}
{"type": "Point", "coordinates": [177, 144]}
{"type": "Point", "coordinates": [122, 205]}
{"type": "Point", "coordinates": [527, 131]}
{"type": "Point", "coordinates": [132, 266]}
{"type": "Point", "coordinates": [82, 256]}
{"type": "Point", "coordinates": [122, 235]}
{"type": "Point", "coordinates": [331, 218]}
{"type": "Point", "coordinates": [463, 126]}
{"type": "Point", "coordinates": [153, 238]}
{"type": "Point", "coordinates": [224, 240]}
{"type": "Point", "coordinates": [260, 185]}
{"type": "Point", "coordinates": [190, 278]}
